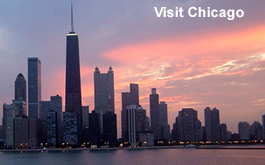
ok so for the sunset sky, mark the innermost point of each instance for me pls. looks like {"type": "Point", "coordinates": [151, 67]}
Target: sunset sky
{"type": "Point", "coordinates": [193, 62]}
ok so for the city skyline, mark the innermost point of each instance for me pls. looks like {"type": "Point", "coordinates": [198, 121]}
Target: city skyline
{"type": "Point", "coordinates": [218, 64]}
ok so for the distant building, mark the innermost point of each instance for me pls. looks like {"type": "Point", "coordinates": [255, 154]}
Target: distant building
{"type": "Point", "coordinates": [103, 93]}
{"type": "Point", "coordinates": [215, 125]}
{"type": "Point", "coordinates": [175, 131]}
{"type": "Point", "coordinates": [110, 129]}
{"type": "Point", "coordinates": [94, 130]}
{"type": "Point", "coordinates": [70, 136]}
{"type": "Point", "coordinates": [256, 131]}
{"type": "Point", "coordinates": [188, 124]}
{"type": "Point", "coordinates": [21, 108]}
{"type": "Point", "coordinates": [263, 126]}
{"type": "Point", "coordinates": [20, 100]}
{"type": "Point", "coordinates": [244, 131]}
{"type": "Point", "coordinates": [45, 107]}
{"type": "Point", "coordinates": [163, 121]}
{"type": "Point", "coordinates": [223, 130]}
{"type": "Point", "coordinates": [21, 132]}
{"type": "Point", "coordinates": [33, 133]}
{"type": "Point", "coordinates": [154, 113]}
{"type": "Point", "coordinates": [21, 88]}
{"type": "Point", "coordinates": [34, 87]}
{"type": "Point", "coordinates": [128, 98]}
{"type": "Point", "coordinates": [85, 113]}
{"type": "Point", "coordinates": [212, 124]}
{"type": "Point", "coordinates": [52, 128]}
{"type": "Point", "coordinates": [146, 139]}
{"type": "Point", "coordinates": [104, 90]}
{"type": "Point", "coordinates": [73, 97]}
{"type": "Point", "coordinates": [56, 106]}
{"type": "Point", "coordinates": [8, 125]}
{"type": "Point", "coordinates": [208, 124]}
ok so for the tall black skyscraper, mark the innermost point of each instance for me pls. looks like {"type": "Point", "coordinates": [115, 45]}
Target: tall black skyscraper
{"type": "Point", "coordinates": [73, 83]}
{"type": "Point", "coordinates": [34, 87]}
{"type": "Point", "coordinates": [154, 113]}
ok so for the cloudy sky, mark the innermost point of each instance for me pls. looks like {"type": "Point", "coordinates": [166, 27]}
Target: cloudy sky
{"type": "Point", "coordinates": [193, 62]}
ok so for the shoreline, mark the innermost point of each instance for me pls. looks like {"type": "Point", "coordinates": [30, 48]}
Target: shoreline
{"type": "Point", "coordinates": [47, 150]}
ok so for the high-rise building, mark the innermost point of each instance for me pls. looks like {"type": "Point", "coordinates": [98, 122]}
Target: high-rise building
{"type": "Point", "coordinates": [70, 135]}
{"type": "Point", "coordinates": [104, 90]}
{"type": "Point", "coordinates": [163, 121]}
{"type": "Point", "coordinates": [21, 126]}
{"type": "Point", "coordinates": [212, 124]}
{"type": "Point", "coordinates": [103, 94]}
{"type": "Point", "coordinates": [20, 95]}
{"type": "Point", "coordinates": [52, 128]}
{"type": "Point", "coordinates": [56, 105]}
{"type": "Point", "coordinates": [188, 124]}
{"type": "Point", "coordinates": [110, 129]}
{"type": "Point", "coordinates": [256, 131]}
{"type": "Point", "coordinates": [34, 87]}
{"type": "Point", "coordinates": [215, 125]}
{"type": "Point", "coordinates": [128, 98]}
{"type": "Point", "coordinates": [244, 131]}
{"type": "Point", "coordinates": [45, 107]}
{"type": "Point", "coordinates": [8, 125]}
{"type": "Point", "coordinates": [20, 88]}
{"type": "Point", "coordinates": [94, 130]}
{"type": "Point", "coordinates": [85, 113]}
{"type": "Point", "coordinates": [223, 130]}
{"type": "Point", "coordinates": [154, 113]}
{"type": "Point", "coordinates": [136, 123]}
{"type": "Point", "coordinates": [208, 124]}
{"type": "Point", "coordinates": [73, 98]}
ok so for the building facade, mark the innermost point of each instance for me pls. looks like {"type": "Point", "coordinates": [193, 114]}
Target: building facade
{"type": "Point", "coordinates": [34, 87]}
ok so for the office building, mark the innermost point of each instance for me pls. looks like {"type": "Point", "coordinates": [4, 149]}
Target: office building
{"type": "Point", "coordinates": [44, 109]}
{"type": "Point", "coordinates": [188, 124]}
{"type": "Point", "coordinates": [34, 87]}
{"type": "Point", "coordinates": [104, 90]}
{"type": "Point", "coordinates": [244, 131]}
{"type": "Point", "coordinates": [56, 105]}
{"type": "Point", "coordinates": [212, 124]}
{"type": "Point", "coordinates": [73, 100]}
{"type": "Point", "coordinates": [128, 98]}
{"type": "Point", "coordinates": [8, 125]}
{"type": "Point", "coordinates": [20, 100]}
{"type": "Point", "coordinates": [154, 113]}
{"type": "Point", "coordinates": [52, 128]}
{"type": "Point", "coordinates": [223, 130]}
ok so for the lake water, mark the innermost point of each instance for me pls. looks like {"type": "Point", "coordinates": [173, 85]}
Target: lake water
{"type": "Point", "coordinates": [136, 157]}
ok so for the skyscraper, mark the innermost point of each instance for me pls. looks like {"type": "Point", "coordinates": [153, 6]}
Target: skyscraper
{"type": "Point", "coordinates": [154, 112]}
{"type": "Point", "coordinates": [20, 88]}
{"type": "Point", "coordinates": [128, 98]}
{"type": "Point", "coordinates": [188, 124]}
{"type": "Point", "coordinates": [215, 125]}
{"type": "Point", "coordinates": [104, 90]}
{"type": "Point", "coordinates": [212, 124]}
{"type": "Point", "coordinates": [244, 131]}
{"type": "Point", "coordinates": [34, 87]}
{"type": "Point", "coordinates": [73, 83]}
{"type": "Point", "coordinates": [8, 125]}
{"type": "Point", "coordinates": [56, 105]}
{"type": "Point", "coordinates": [103, 94]}
{"type": "Point", "coordinates": [163, 121]}
{"type": "Point", "coordinates": [208, 124]}
{"type": "Point", "coordinates": [20, 100]}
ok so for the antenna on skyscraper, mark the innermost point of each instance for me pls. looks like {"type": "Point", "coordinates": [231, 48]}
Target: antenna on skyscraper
{"type": "Point", "coordinates": [72, 19]}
